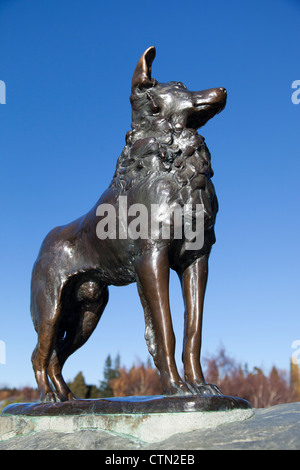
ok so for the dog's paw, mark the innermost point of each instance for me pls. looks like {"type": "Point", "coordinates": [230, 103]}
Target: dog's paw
{"type": "Point", "coordinates": [208, 389]}
{"type": "Point", "coordinates": [179, 388]}
{"type": "Point", "coordinates": [54, 397]}
{"type": "Point", "coordinates": [49, 397]}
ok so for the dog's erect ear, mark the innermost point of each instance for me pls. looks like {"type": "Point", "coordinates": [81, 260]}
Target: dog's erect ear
{"type": "Point", "coordinates": [142, 73]}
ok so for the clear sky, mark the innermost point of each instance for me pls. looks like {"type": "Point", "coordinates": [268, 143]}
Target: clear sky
{"type": "Point", "coordinates": [67, 66]}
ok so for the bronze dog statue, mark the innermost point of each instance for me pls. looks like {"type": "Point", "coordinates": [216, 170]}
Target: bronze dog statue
{"type": "Point", "coordinates": [164, 161]}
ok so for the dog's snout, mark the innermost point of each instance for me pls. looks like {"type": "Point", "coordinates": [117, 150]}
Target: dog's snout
{"type": "Point", "coordinates": [210, 96]}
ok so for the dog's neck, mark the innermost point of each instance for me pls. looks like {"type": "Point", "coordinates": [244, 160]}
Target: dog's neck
{"type": "Point", "coordinates": [155, 146]}
{"type": "Point", "coordinates": [164, 132]}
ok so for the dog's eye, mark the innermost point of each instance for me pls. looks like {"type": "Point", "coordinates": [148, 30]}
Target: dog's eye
{"type": "Point", "coordinates": [181, 85]}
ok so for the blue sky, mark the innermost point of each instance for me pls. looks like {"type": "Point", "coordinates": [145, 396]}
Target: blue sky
{"type": "Point", "coordinates": [67, 66]}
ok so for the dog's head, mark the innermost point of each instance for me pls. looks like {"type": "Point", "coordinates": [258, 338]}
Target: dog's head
{"type": "Point", "coordinates": [171, 101]}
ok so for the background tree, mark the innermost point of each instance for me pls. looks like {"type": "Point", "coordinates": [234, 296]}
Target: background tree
{"type": "Point", "coordinates": [93, 392]}
{"type": "Point", "coordinates": [78, 386]}
{"type": "Point", "coordinates": [139, 380]}
{"type": "Point", "coordinates": [111, 372]}
{"type": "Point", "coordinates": [259, 389]}
{"type": "Point", "coordinates": [295, 380]}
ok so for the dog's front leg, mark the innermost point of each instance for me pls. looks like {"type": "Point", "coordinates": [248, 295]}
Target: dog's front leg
{"type": "Point", "coordinates": [153, 286]}
{"type": "Point", "coordinates": [194, 280]}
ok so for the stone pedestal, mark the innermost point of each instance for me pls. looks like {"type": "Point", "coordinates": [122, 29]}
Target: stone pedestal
{"type": "Point", "coordinates": [148, 419]}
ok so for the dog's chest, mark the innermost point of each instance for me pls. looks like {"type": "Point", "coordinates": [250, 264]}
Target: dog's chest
{"type": "Point", "coordinates": [192, 172]}
{"type": "Point", "coordinates": [182, 160]}
{"type": "Point", "coordinates": [192, 166]}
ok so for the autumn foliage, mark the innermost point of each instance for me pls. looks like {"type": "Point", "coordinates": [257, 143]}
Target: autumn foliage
{"type": "Point", "coordinates": [260, 389]}
{"type": "Point", "coordinates": [138, 380]}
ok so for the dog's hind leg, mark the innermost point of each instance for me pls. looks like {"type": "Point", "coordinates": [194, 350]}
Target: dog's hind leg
{"type": "Point", "coordinates": [41, 355]}
{"type": "Point", "coordinates": [153, 286]}
{"type": "Point", "coordinates": [84, 319]}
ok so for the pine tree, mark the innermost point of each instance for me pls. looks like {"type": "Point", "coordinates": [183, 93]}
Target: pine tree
{"type": "Point", "coordinates": [93, 392]}
{"type": "Point", "coordinates": [110, 372]}
{"type": "Point", "coordinates": [79, 387]}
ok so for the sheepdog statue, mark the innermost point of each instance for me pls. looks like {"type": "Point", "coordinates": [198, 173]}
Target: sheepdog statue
{"type": "Point", "coordinates": [164, 175]}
